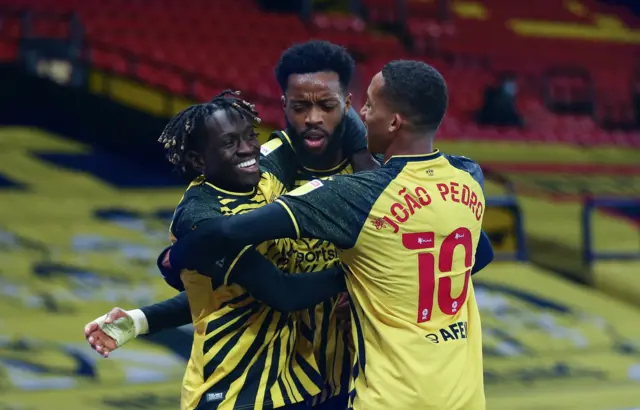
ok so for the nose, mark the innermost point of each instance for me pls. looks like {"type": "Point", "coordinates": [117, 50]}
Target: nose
{"type": "Point", "coordinates": [314, 116]}
{"type": "Point", "coordinates": [245, 148]}
{"type": "Point", "coordinates": [363, 111]}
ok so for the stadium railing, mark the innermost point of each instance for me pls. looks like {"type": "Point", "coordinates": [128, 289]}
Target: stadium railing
{"type": "Point", "coordinates": [591, 205]}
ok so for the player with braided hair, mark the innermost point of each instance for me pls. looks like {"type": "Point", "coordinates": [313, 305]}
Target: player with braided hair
{"type": "Point", "coordinates": [183, 137]}
{"type": "Point", "coordinates": [245, 354]}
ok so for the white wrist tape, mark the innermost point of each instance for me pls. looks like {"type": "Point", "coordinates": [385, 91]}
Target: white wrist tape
{"type": "Point", "coordinates": [126, 328]}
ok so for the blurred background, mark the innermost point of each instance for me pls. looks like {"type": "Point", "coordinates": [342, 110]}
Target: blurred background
{"type": "Point", "coordinates": [545, 94]}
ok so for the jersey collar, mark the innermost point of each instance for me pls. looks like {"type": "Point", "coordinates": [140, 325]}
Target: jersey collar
{"type": "Point", "coordinates": [402, 159]}
{"type": "Point", "coordinates": [230, 193]}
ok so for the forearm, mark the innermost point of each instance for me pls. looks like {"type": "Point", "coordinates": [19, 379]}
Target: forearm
{"type": "Point", "coordinates": [167, 314]}
{"type": "Point", "coordinates": [282, 291]}
{"type": "Point", "coordinates": [228, 235]}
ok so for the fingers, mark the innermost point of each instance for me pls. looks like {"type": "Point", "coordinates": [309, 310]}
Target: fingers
{"type": "Point", "coordinates": [166, 262]}
{"type": "Point", "coordinates": [114, 314]}
{"type": "Point", "coordinates": [90, 328]}
{"type": "Point", "coordinates": [101, 343]}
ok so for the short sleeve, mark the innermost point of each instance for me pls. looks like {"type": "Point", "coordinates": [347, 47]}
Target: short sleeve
{"type": "Point", "coordinates": [354, 138]}
{"type": "Point", "coordinates": [190, 213]}
{"type": "Point", "coordinates": [334, 209]}
{"type": "Point", "coordinates": [468, 165]}
{"type": "Point", "coordinates": [277, 157]}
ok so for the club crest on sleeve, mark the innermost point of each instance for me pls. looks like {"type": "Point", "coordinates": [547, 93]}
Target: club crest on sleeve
{"type": "Point", "coordinates": [264, 150]}
{"type": "Point", "coordinates": [306, 188]}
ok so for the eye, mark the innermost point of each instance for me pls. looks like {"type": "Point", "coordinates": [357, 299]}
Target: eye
{"type": "Point", "coordinates": [252, 136]}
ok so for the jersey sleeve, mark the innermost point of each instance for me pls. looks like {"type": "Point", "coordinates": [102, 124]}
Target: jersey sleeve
{"type": "Point", "coordinates": [468, 165]}
{"type": "Point", "coordinates": [334, 209]}
{"type": "Point", "coordinates": [168, 314]}
{"type": "Point", "coordinates": [286, 292]}
{"type": "Point", "coordinates": [354, 138]}
{"type": "Point", "coordinates": [190, 213]}
{"type": "Point", "coordinates": [278, 158]}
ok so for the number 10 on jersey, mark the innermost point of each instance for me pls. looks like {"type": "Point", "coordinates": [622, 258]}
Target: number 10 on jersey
{"type": "Point", "coordinates": [427, 270]}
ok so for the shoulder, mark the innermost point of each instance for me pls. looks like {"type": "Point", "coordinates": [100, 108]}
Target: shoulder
{"type": "Point", "coordinates": [270, 146]}
{"type": "Point", "coordinates": [354, 120]}
{"type": "Point", "coordinates": [467, 165]}
{"type": "Point", "coordinates": [197, 204]}
{"type": "Point", "coordinates": [362, 186]}
{"type": "Point", "coordinates": [277, 140]}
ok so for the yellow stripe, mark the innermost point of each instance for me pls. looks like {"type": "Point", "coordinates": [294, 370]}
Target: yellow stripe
{"type": "Point", "coordinates": [293, 218]}
{"type": "Point", "coordinates": [235, 260]}
{"type": "Point", "coordinates": [286, 136]}
{"type": "Point", "coordinates": [344, 161]}
{"type": "Point", "coordinates": [252, 192]}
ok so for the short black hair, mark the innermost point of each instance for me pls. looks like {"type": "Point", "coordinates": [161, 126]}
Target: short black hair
{"type": "Point", "coordinates": [313, 57]}
{"type": "Point", "coordinates": [186, 131]}
{"type": "Point", "coordinates": [416, 90]}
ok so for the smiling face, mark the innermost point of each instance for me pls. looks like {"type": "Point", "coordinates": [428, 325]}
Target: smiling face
{"type": "Point", "coordinates": [315, 105]}
{"type": "Point", "coordinates": [231, 153]}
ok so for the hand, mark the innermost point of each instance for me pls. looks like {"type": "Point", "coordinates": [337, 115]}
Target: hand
{"type": "Point", "coordinates": [97, 338]}
{"type": "Point", "coordinates": [170, 275]}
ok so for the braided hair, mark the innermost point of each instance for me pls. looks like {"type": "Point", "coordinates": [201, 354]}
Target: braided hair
{"type": "Point", "coordinates": [185, 131]}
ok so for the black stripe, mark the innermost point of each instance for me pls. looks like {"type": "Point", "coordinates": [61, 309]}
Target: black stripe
{"type": "Point", "coordinates": [230, 315]}
{"type": "Point", "coordinates": [296, 381]}
{"type": "Point", "coordinates": [285, 395]}
{"type": "Point", "coordinates": [291, 336]}
{"type": "Point", "coordinates": [215, 361]}
{"type": "Point", "coordinates": [213, 340]}
{"type": "Point", "coordinates": [345, 372]}
{"type": "Point", "coordinates": [238, 314]}
{"type": "Point", "coordinates": [360, 337]}
{"type": "Point", "coordinates": [306, 331]}
{"type": "Point", "coordinates": [249, 391]}
{"type": "Point", "coordinates": [311, 373]}
{"type": "Point", "coordinates": [326, 316]}
{"type": "Point", "coordinates": [256, 344]}
{"type": "Point", "coordinates": [352, 396]}
{"type": "Point", "coordinates": [275, 362]}
{"type": "Point", "coordinates": [252, 203]}
{"type": "Point", "coordinates": [235, 300]}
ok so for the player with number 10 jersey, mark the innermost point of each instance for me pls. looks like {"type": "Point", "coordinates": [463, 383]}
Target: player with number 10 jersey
{"type": "Point", "coordinates": [408, 236]}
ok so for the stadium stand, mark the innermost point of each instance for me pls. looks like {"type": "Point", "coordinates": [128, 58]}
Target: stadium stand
{"type": "Point", "coordinates": [79, 225]}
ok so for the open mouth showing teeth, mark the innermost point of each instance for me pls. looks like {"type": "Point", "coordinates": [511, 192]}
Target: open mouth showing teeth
{"type": "Point", "coordinates": [247, 164]}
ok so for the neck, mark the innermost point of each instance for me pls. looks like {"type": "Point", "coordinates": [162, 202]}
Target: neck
{"type": "Point", "coordinates": [229, 187]}
{"type": "Point", "coordinates": [329, 159]}
{"type": "Point", "coordinates": [410, 144]}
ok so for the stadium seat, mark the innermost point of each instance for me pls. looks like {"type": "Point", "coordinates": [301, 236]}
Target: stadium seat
{"type": "Point", "coordinates": [469, 49]}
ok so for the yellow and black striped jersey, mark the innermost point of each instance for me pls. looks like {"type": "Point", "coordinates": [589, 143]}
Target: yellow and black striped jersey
{"type": "Point", "coordinates": [333, 352]}
{"type": "Point", "coordinates": [245, 355]}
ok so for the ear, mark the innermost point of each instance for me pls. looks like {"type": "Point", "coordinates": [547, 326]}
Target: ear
{"type": "Point", "coordinates": [195, 160]}
{"type": "Point", "coordinates": [396, 123]}
{"type": "Point", "coordinates": [347, 103]}
{"type": "Point", "coordinates": [283, 99]}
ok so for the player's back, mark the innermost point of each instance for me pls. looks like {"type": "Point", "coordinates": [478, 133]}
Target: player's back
{"type": "Point", "coordinates": [417, 326]}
